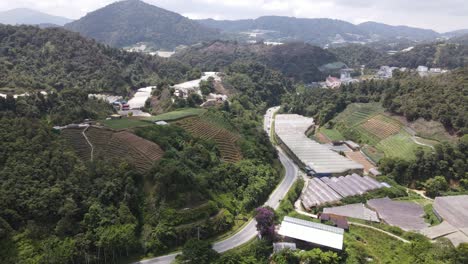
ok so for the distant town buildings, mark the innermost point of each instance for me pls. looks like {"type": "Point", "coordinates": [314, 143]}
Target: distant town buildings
{"type": "Point", "coordinates": [332, 82]}
{"type": "Point", "coordinates": [385, 72]}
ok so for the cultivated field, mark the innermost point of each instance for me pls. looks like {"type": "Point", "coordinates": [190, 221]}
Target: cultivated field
{"type": "Point", "coordinates": [224, 138]}
{"type": "Point", "coordinates": [114, 145]}
{"type": "Point", "coordinates": [124, 123]}
{"type": "Point", "coordinates": [331, 134]}
{"type": "Point", "coordinates": [358, 113]}
{"type": "Point", "coordinates": [399, 146]}
{"type": "Point", "coordinates": [175, 115]}
{"type": "Point", "coordinates": [367, 124]}
{"type": "Point", "coordinates": [381, 126]}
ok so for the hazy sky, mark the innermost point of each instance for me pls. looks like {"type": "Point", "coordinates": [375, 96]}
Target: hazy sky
{"type": "Point", "coordinates": [440, 15]}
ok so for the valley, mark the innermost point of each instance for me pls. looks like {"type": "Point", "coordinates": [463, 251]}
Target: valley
{"type": "Point", "coordinates": [266, 134]}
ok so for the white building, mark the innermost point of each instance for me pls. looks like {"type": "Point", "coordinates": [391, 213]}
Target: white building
{"type": "Point", "coordinates": [315, 233]}
{"type": "Point", "coordinates": [333, 82]}
{"type": "Point", "coordinates": [385, 72]}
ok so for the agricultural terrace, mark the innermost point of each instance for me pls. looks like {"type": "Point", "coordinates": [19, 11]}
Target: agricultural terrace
{"type": "Point", "coordinates": [110, 144]}
{"type": "Point", "coordinates": [367, 124]}
{"type": "Point", "coordinates": [216, 129]}
{"type": "Point", "coordinates": [176, 115]}
{"type": "Point", "coordinates": [124, 123]}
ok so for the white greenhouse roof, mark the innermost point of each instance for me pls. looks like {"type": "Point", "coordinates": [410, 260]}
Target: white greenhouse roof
{"type": "Point", "coordinates": [315, 233]}
{"type": "Point", "coordinates": [291, 130]}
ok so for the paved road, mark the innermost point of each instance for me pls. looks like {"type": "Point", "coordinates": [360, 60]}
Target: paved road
{"type": "Point", "coordinates": [249, 231]}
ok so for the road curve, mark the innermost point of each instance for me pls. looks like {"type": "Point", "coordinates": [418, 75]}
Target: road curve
{"type": "Point", "coordinates": [249, 231]}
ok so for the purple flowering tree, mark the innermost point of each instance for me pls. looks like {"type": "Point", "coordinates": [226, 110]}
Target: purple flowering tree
{"type": "Point", "coordinates": [265, 217]}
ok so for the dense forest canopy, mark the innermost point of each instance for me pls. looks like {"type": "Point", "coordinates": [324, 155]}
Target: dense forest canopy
{"type": "Point", "coordinates": [448, 55]}
{"type": "Point", "coordinates": [56, 59]}
{"type": "Point", "coordinates": [298, 61]}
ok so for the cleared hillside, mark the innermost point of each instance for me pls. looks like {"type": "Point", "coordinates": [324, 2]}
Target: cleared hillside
{"type": "Point", "coordinates": [113, 145]}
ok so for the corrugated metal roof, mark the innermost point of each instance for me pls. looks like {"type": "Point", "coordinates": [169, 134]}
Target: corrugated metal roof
{"type": "Point", "coordinates": [316, 233]}
{"type": "Point", "coordinates": [310, 224]}
{"type": "Point", "coordinates": [291, 130]}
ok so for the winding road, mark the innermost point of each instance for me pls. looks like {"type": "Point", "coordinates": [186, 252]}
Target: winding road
{"type": "Point", "coordinates": [249, 231]}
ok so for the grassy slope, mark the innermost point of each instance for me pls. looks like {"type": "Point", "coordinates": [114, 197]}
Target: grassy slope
{"type": "Point", "coordinates": [332, 134]}
{"type": "Point", "coordinates": [375, 245]}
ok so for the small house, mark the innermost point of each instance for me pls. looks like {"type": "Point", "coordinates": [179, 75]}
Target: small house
{"type": "Point", "coordinates": [333, 82]}
{"type": "Point", "coordinates": [337, 220]}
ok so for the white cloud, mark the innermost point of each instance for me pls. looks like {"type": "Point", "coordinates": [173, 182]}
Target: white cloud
{"type": "Point", "coordinates": [441, 15]}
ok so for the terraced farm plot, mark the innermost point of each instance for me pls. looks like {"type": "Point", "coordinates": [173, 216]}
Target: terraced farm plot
{"type": "Point", "coordinates": [176, 115]}
{"type": "Point", "coordinates": [358, 113]}
{"type": "Point", "coordinates": [225, 139]}
{"type": "Point", "coordinates": [115, 145]}
{"type": "Point", "coordinates": [399, 146]}
{"type": "Point", "coordinates": [75, 138]}
{"type": "Point", "coordinates": [124, 123]}
{"type": "Point", "coordinates": [368, 124]}
{"type": "Point", "coordinates": [381, 127]}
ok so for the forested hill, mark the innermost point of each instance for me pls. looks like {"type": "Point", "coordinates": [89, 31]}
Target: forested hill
{"type": "Point", "coordinates": [388, 31]}
{"type": "Point", "coordinates": [34, 58]}
{"type": "Point", "coordinates": [129, 22]}
{"type": "Point", "coordinates": [298, 61]}
{"type": "Point", "coordinates": [318, 31]}
{"type": "Point", "coordinates": [451, 55]}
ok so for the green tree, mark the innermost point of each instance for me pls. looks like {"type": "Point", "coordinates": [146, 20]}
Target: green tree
{"type": "Point", "coordinates": [434, 187]}
{"type": "Point", "coordinates": [198, 252]}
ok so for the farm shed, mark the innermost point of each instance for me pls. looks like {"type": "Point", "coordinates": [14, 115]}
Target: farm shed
{"type": "Point", "coordinates": [319, 159]}
{"type": "Point", "coordinates": [332, 189]}
{"type": "Point", "coordinates": [315, 233]}
{"type": "Point", "coordinates": [453, 209]}
{"type": "Point", "coordinates": [406, 215]}
{"type": "Point", "coordinates": [352, 145]}
{"type": "Point", "coordinates": [277, 247]}
{"type": "Point", "coordinates": [338, 220]}
{"type": "Point", "coordinates": [359, 211]}
{"type": "Point", "coordinates": [440, 230]}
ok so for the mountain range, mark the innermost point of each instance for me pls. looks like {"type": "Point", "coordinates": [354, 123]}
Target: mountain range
{"type": "Point", "coordinates": [133, 23]}
{"type": "Point", "coordinates": [25, 16]}
{"type": "Point", "coordinates": [126, 23]}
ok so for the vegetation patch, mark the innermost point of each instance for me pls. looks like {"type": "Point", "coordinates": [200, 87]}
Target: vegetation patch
{"type": "Point", "coordinates": [332, 134]}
